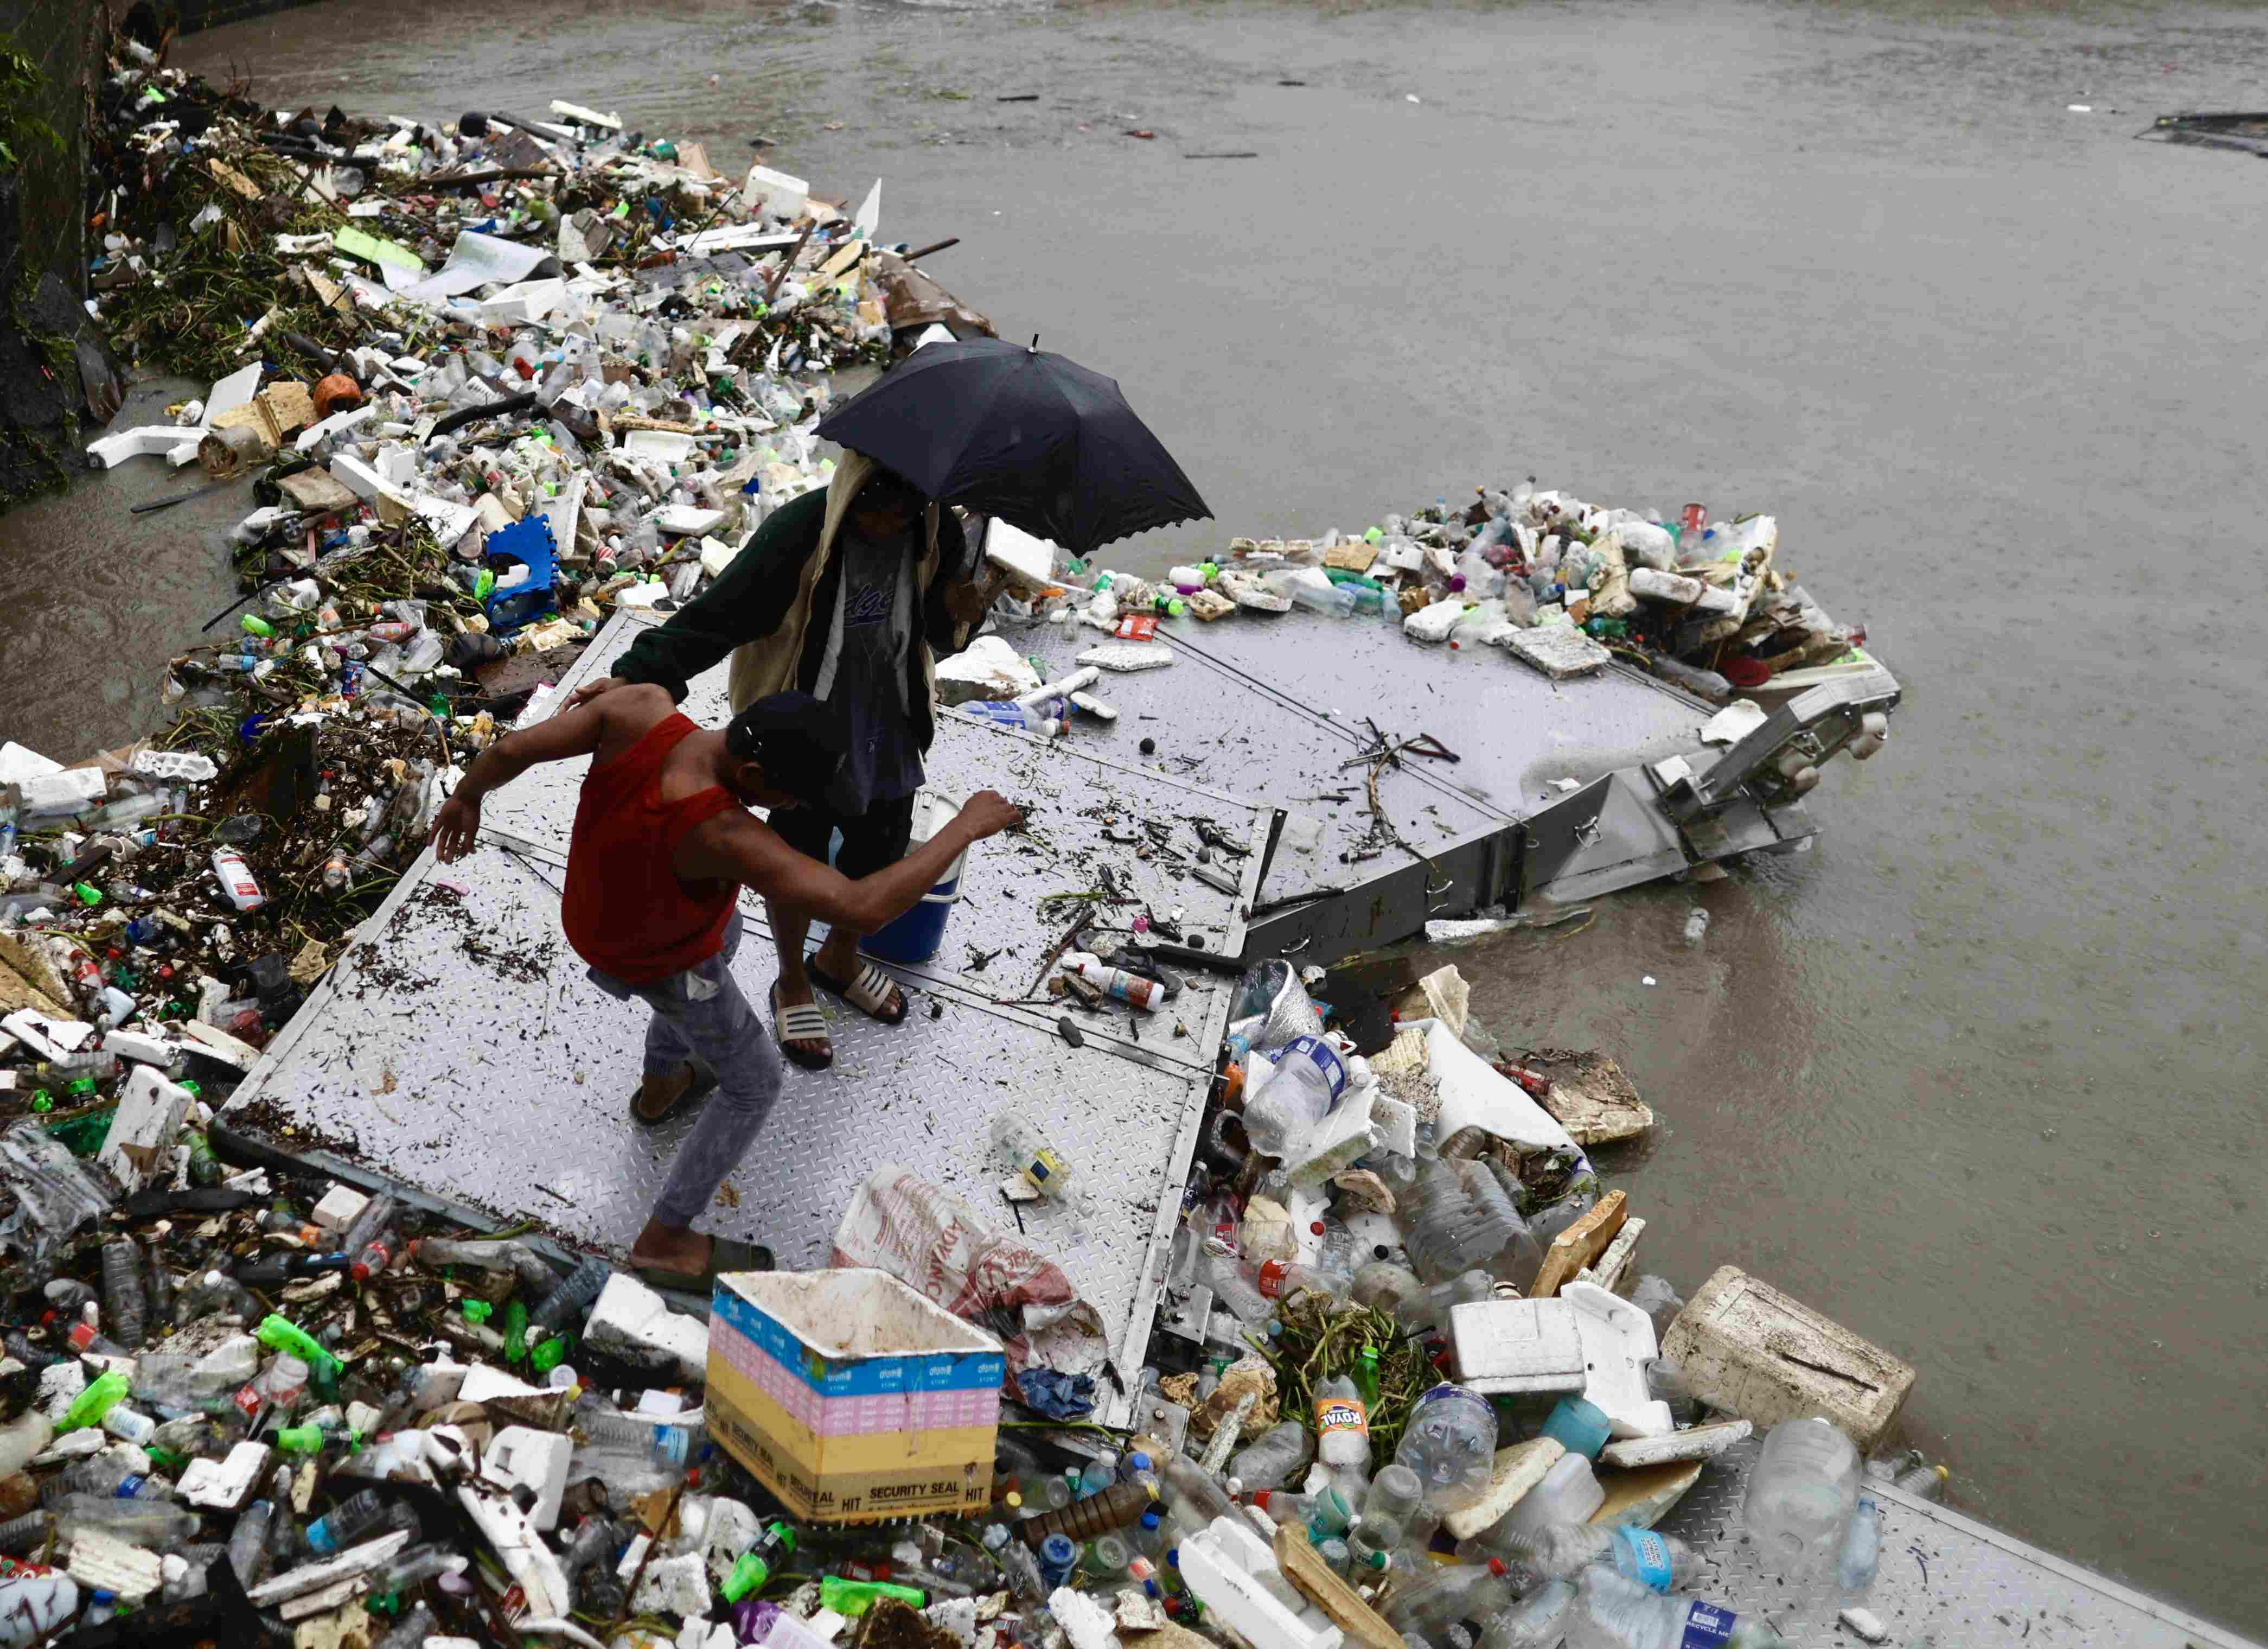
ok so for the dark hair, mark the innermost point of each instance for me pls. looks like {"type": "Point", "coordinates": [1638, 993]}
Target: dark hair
{"type": "Point", "coordinates": [795, 738]}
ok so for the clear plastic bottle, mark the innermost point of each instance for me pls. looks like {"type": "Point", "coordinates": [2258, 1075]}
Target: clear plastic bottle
{"type": "Point", "coordinates": [1027, 718]}
{"type": "Point", "coordinates": [1861, 1552]}
{"type": "Point", "coordinates": [1656, 1299]}
{"type": "Point", "coordinates": [341, 1527]}
{"type": "Point", "coordinates": [1664, 1382]}
{"type": "Point", "coordinates": [1450, 1443]}
{"type": "Point", "coordinates": [1397, 1496]}
{"type": "Point", "coordinates": [1427, 1311]}
{"type": "Point", "coordinates": [1800, 1496]}
{"type": "Point", "coordinates": [159, 1524]}
{"type": "Point", "coordinates": [1343, 1425]}
{"type": "Point", "coordinates": [1306, 1086]}
{"type": "Point", "coordinates": [1037, 1161]}
{"type": "Point", "coordinates": [248, 1542]}
{"type": "Point", "coordinates": [1270, 1462]}
{"type": "Point", "coordinates": [1233, 1289]}
{"type": "Point", "coordinates": [1562, 1551]}
{"type": "Point", "coordinates": [1611, 1613]}
{"type": "Point", "coordinates": [1926, 1482]}
{"type": "Point", "coordinates": [1439, 1600]}
{"type": "Point", "coordinates": [1538, 1622]}
{"type": "Point", "coordinates": [572, 1299]}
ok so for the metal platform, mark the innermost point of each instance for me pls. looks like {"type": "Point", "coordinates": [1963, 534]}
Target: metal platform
{"type": "Point", "coordinates": [1944, 1579]}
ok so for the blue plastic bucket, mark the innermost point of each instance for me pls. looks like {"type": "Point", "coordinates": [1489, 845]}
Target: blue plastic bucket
{"type": "Point", "coordinates": [919, 933]}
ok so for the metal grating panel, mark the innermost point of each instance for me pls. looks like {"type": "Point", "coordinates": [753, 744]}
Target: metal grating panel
{"type": "Point", "coordinates": [461, 1048]}
{"type": "Point", "coordinates": [1944, 1579]}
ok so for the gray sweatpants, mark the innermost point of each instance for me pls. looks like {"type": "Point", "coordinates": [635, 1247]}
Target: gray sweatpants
{"type": "Point", "coordinates": [700, 1016]}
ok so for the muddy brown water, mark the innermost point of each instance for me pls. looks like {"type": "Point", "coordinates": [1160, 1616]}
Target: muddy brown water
{"type": "Point", "coordinates": [1980, 1076]}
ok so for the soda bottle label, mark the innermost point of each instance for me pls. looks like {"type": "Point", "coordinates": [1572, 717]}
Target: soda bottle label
{"type": "Point", "coordinates": [128, 1487]}
{"type": "Point", "coordinates": [1044, 1166]}
{"type": "Point", "coordinates": [1341, 1414]}
{"type": "Point", "coordinates": [1271, 1278]}
{"type": "Point", "coordinates": [1706, 1627]}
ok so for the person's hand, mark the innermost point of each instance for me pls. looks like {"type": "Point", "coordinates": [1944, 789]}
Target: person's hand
{"type": "Point", "coordinates": [969, 600]}
{"type": "Point", "coordinates": [988, 813]}
{"type": "Point", "coordinates": [589, 690]}
{"type": "Point", "coordinates": [455, 827]}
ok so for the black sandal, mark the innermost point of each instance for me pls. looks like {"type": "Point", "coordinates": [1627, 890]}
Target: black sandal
{"type": "Point", "coordinates": [697, 1087]}
{"type": "Point", "coordinates": [724, 1254]}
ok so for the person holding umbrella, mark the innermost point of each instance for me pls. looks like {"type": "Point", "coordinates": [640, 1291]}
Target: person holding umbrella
{"type": "Point", "coordinates": [850, 594]}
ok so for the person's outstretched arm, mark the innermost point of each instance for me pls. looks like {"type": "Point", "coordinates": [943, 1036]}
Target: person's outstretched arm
{"type": "Point", "coordinates": [734, 846]}
{"type": "Point", "coordinates": [573, 732]}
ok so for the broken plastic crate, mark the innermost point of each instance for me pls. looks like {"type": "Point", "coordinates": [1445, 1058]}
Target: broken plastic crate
{"type": "Point", "coordinates": [851, 1397]}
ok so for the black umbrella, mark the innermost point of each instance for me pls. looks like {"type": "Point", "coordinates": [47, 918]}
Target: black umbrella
{"type": "Point", "coordinates": [1036, 440]}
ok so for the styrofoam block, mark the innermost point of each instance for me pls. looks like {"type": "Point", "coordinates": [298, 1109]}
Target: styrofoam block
{"type": "Point", "coordinates": [154, 441]}
{"type": "Point", "coordinates": [1517, 1345]}
{"type": "Point", "coordinates": [632, 1320]}
{"type": "Point", "coordinates": [788, 1632]}
{"type": "Point", "coordinates": [676, 1586]}
{"type": "Point", "coordinates": [779, 194]}
{"type": "Point", "coordinates": [521, 1456]}
{"type": "Point", "coordinates": [524, 1556]}
{"type": "Point", "coordinates": [140, 1046]}
{"type": "Point", "coordinates": [1517, 1469]}
{"type": "Point", "coordinates": [1701, 1442]}
{"type": "Point", "coordinates": [1349, 1118]}
{"type": "Point", "coordinates": [224, 1485]}
{"type": "Point", "coordinates": [483, 1383]}
{"type": "Point", "coordinates": [71, 787]}
{"type": "Point", "coordinates": [686, 520]}
{"type": "Point", "coordinates": [1224, 1565]}
{"type": "Point", "coordinates": [44, 1034]}
{"type": "Point", "coordinates": [1474, 1095]}
{"type": "Point", "coordinates": [1618, 1344]}
{"type": "Point", "coordinates": [313, 1577]}
{"type": "Point", "coordinates": [732, 1529]}
{"type": "Point", "coordinates": [1085, 1622]}
{"type": "Point", "coordinates": [103, 1563]}
{"type": "Point", "coordinates": [139, 1146]}
{"type": "Point", "coordinates": [956, 1615]}
{"type": "Point", "coordinates": [20, 761]}
{"type": "Point", "coordinates": [632, 1556]}
{"type": "Point", "coordinates": [339, 1208]}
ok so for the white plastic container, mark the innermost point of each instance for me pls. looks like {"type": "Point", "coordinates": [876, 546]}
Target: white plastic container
{"type": "Point", "coordinates": [235, 879]}
{"type": "Point", "coordinates": [1801, 1494]}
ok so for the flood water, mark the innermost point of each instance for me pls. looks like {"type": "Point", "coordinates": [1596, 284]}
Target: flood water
{"type": "Point", "coordinates": [1980, 1076]}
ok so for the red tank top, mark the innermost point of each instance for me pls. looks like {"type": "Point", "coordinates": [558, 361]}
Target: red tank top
{"type": "Point", "coordinates": [625, 910]}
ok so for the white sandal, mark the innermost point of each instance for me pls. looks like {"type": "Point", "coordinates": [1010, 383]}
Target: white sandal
{"type": "Point", "coordinates": [803, 1022]}
{"type": "Point", "coordinates": [869, 993]}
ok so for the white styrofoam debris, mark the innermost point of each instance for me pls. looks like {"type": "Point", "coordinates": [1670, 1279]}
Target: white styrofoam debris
{"type": "Point", "coordinates": [676, 1586]}
{"type": "Point", "coordinates": [1866, 1623]}
{"type": "Point", "coordinates": [338, 1209]}
{"type": "Point", "coordinates": [632, 1320]}
{"type": "Point", "coordinates": [521, 1456]}
{"type": "Point", "coordinates": [104, 1563]}
{"type": "Point", "coordinates": [526, 1557]}
{"type": "Point", "coordinates": [1086, 1622]}
{"type": "Point", "coordinates": [139, 1146]}
{"type": "Point", "coordinates": [356, 1560]}
{"type": "Point", "coordinates": [1231, 1570]}
{"type": "Point", "coordinates": [225, 1484]}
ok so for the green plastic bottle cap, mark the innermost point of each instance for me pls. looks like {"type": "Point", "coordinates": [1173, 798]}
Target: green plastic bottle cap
{"type": "Point", "coordinates": [476, 1311]}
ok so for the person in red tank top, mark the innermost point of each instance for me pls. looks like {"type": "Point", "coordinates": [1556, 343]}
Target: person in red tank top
{"type": "Point", "coordinates": [662, 846]}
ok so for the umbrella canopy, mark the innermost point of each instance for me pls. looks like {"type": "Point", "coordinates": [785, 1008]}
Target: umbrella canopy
{"type": "Point", "coordinates": [1036, 440]}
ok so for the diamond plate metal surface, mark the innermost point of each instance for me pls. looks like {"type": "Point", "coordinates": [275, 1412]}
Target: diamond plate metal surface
{"type": "Point", "coordinates": [461, 1048]}
{"type": "Point", "coordinates": [1072, 797]}
{"type": "Point", "coordinates": [1944, 1579]}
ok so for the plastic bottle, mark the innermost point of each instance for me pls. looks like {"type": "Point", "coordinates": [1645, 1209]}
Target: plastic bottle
{"type": "Point", "coordinates": [1537, 1623]}
{"type": "Point", "coordinates": [159, 1524]}
{"type": "Point", "coordinates": [1800, 1496]}
{"type": "Point", "coordinates": [1306, 1086]}
{"type": "Point", "coordinates": [248, 1542]}
{"type": "Point", "coordinates": [1450, 1443]}
{"type": "Point", "coordinates": [1042, 1167]}
{"type": "Point", "coordinates": [122, 1473]}
{"type": "Point", "coordinates": [754, 1567]}
{"type": "Point", "coordinates": [1145, 994]}
{"type": "Point", "coordinates": [1232, 1288]}
{"type": "Point", "coordinates": [339, 1528]}
{"type": "Point", "coordinates": [1861, 1552]}
{"type": "Point", "coordinates": [375, 1255]}
{"type": "Point", "coordinates": [35, 1602]}
{"type": "Point", "coordinates": [131, 1425]}
{"type": "Point", "coordinates": [1427, 1311]}
{"type": "Point", "coordinates": [571, 1301]}
{"type": "Point", "coordinates": [1927, 1481]}
{"type": "Point", "coordinates": [1193, 1493]}
{"type": "Point", "coordinates": [506, 1254]}
{"type": "Point", "coordinates": [1664, 1382]}
{"type": "Point", "coordinates": [280, 1333]}
{"type": "Point", "coordinates": [1562, 1551]}
{"type": "Point", "coordinates": [415, 1628]}
{"type": "Point", "coordinates": [1001, 712]}
{"type": "Point", "coordinates": [1058, 1556]}
{"type": "Point", "coordinates": [124, 1305]}
{"type": "Point", "coordinates": [1113, 1508]}
{"type": "Point", "coordinates": [1279, 1453]}
{"type": "Point", "coordinates": [101, 1394]}
{"type": "Point", "coordinates": [236, 880]}
{"type": "Point", "coordinates": [1342, 1426]}
{"type": "Point", "coordinates": [1611, 1613]}
{"type": "Point", "coordinates": [1439, 1600]}
{"type": "Point", "coordinates": [1658, 1300]}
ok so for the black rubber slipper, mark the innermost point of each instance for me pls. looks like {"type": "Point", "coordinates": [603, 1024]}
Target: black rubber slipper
{"type": "Point", "coordinates": [699, 1089]}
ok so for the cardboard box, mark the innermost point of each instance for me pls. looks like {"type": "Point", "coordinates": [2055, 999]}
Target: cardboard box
{"type": "Point", "coordinates": [851, 1397]}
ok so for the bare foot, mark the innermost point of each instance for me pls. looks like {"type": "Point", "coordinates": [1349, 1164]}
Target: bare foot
{"type": "Point", "coordinates": [671, 1248]}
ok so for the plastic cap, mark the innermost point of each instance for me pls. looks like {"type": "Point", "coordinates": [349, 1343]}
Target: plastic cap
{"type": "Point", "coordinates": [1496, 1565]}
{"type": "Point", "coordinates": [1139, 1460]}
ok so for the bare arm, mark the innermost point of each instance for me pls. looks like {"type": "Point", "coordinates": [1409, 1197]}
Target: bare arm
{"type": "Point", "coordinates": [570, 733]}
{"type": "Point", "coordinates": [735, 846]}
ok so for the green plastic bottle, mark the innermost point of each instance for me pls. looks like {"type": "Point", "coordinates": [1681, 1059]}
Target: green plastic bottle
{"type": "Point", "coordinates": [551, 1353]}
{"type": "Point", "coordinates": [105, 1393]}
{"type": "Point", "coordinates": [856, 1597]}
{"type": "Point", "coordinates": [515, 1333]}
{"type": "Point", "coordinates": [280, 1333]}
{"type": "Point", "coordinates": [755, 1567]}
